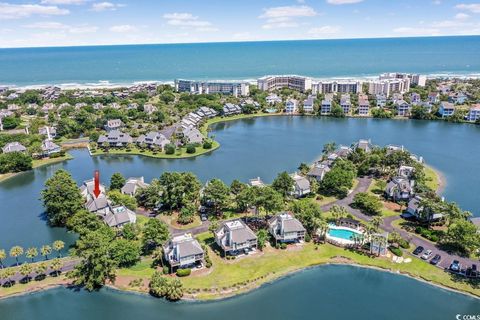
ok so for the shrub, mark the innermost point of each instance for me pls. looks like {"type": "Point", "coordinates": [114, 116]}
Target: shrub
{"type": "Point", "coordinates": [191, 148]}
{"type": "Point", "coordinates": [404, 244]}
{"type": "Point", "coordinates": [184, 272]}
{"type": "Point", "coordinates": [207, 145]}
{"type": "Point", "coordinates": [283, 246]}
{"type": "Point", "coordinates": [396, 251]}
{"type": "Point", "coordinates": [308, 238]}
{"type": "Point", "coordinates": [367, 203]}
{"type": "Point", "coordinates": [169, 149]}
{"type": "Point", "coordinates": [165, 270]}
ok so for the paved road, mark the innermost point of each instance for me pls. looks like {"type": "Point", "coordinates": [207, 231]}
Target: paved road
{"type": "Point", "coordinates": [386, 225]}
{"type": "Point", "coordinates": [68, 265]}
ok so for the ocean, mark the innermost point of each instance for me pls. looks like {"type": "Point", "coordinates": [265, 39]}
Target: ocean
{"type": "Point", "coordinates": [354, 58]}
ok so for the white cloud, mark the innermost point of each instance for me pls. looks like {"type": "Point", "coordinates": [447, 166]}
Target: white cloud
{"type": "Point", "coordinates": [63, 2]}
{"type": "Point", "coordinates": [17, 11]}
{"type": "Point", "coordinates": [448, 24]}
{"type": "Point", "coordinates": [472, 7]}
{"type": "Point", "coordinates": [283, 17]}
{"type": "Point", "coordinates": [50, 25]}
{"type": "Point", "coordinates": [123, 28]}
{"type": "Point", "coordinates": [288, 11]}
{"type": "Point", "coordinates": [417, 31]}
{"type": "Point", "coordinates": [188, 20]}
{"type": "Point", "coordinates": [324, 30]}
{"type": "Point", "coordinates": [338, 2]}
{"type": "Point", "coordinates": [461, 16]}
{"type": "Point", "coordinates": [106, 6]}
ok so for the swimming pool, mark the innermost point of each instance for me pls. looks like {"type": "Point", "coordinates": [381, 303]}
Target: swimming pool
{"type": "Point", "coordinates": [342, 234]}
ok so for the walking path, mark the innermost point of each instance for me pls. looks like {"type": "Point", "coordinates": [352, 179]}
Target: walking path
{"type": "Point", "coordinates": [386, 225]}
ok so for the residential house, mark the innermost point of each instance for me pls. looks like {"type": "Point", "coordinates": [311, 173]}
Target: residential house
{"type": "Point", "coordinates": [365, 145]}
{"type": "Point", "coordinates": [256, 182]}
{"type": "Point", "coordinates": [285, 228]}
{"type": "Point", "coordinates": [291, 106]}
{"type": "Point", "coordinates": [457, 98]}
{"type": "Point", "coordinates": [114, 124]}
{"type": "Point", "coordinates": [363, 105]}
{"type": "Point", "coordinates": [115, 138]}
{"type": "Point", "coordinates": [396, 97]}
{"type": "Point", "coordinates": [183, 251]}
{"type": "Point", "coordinates": [13, 147]}
{"type": "Point", "coordinates": [301, 186]}
{"type": "Point", "coordinates": [49, 148]}
{"type": "Point", "coordinates": [345, 103]}
{"type": "Point", "coordinates": [403, 108]}
{"type": "Point", "coordinates": [99, 205]}
{"type": "Point", "coordinates": [318, 171]}
{"type": "Point", "coordinates": [231, 109]}
{"type": "Point", "coordinates": [433, 97]}
{"type": "Point", "coordinates": [399, 189]}
{"type": "Point", "coordinates": [415, 98]}
{"type": "Point", "coordinates": [49, 132]}
{"type": "Point", "coordinates": [118, 216]}
{"type": "Point", "coordinates": [308, 104]}
{"type": "Point", "coordinates": [206, 112]}
{"type": "Point", "coordinates": [473, 113]}
{"type": "Point", "coordinates": [132, 185]}
{"type": "Point", "coordinates": [381, 100]}
{"type": "Point", "coordinates": [192, 135]}
{"type": "Point", "coordinates": [153, 139]}
{"type": "Point", "coordinates": [87, 188]}
{"type": "Point", "coordinates": [446, 109]}
{"type": "Point", "coordinates": [272, 99]}
{"type": "Point", "coordinates": [235, 236]}
{"type": "Point", "coordinates": [406, 171]}
{"type": "Point", "coordinates": [326, 106]}
{"type": "Point", "coordinates": [414, 209]}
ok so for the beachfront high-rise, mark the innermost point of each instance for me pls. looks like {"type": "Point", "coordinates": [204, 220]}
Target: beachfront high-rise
{"type": "Point", "coordinates": [347, 86]}
{"type": "Point", "coordinates": [236, 88]}
{"type": "Point", "coordinates": [269, 83]}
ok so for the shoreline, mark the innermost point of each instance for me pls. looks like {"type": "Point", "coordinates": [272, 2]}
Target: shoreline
{"type": "Point", "coordinates": [441, 179]}
{"type": "Point", "coordinates": [221, 296]}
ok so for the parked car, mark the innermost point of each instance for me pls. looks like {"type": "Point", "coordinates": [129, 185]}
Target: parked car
{"type": "Point", "coordinates": [427, 255]}
{"type": "Point", "coordinates": [455, 266]}
{"type": "Point", "coordinates": [418, 250]}
{"type": "Point", "coordinates": [203, 217]}
{"type": "Point", "coordinates": [436, 259]}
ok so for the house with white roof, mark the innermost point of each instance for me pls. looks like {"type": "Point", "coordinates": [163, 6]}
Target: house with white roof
{"type": "Point", "coordinates": [345, 103]}
{"type": "Point", "coordinates": [403, 108]}
{"type": "Point", "coordinates": [113, 124]}
{"type": "Point", "coordinates": [273, 98]}
{"type": "Point", "coordinates": [291, 106]}
{"type": "Point", "coordinates": [474, 113]}
{"type": "Point", "coordinates": [132, 185]}
{"type": "Point", "coordinates": [231, 109]}
{"type": "Point", "coordinates": [308, 104]}
{"type": "Point", "coordinates": [301, 185]}
{"type": "Point", "coordinates": [13, 147]}
{"type": "Point", "coordinates": [153, 139]}
{"type": "Point", "coordinates": [326, 106]}
{"type": "Point", "coordinates": [446, 109]}
{"type": "Point", "coordinates": [399, 189]}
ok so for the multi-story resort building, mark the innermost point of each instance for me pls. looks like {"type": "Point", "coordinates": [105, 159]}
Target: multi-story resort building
{"type": "Point", "coordinates": [388, 86]}
{"type": "Point", "coordinates": [351, 86]}
{"type": "Point", "coordinates": [414, 79]}
{"type": "Point", "coordinates": [236, 88]}
{"type": "Point", "coordinates": [269, 83]}
{"type": "Point", "coordinates": [235, 236]}
{"type": "Point", "coordinates": [345, 103]}
{"type": "Point", "coordinates": [183, 251]}
{"type": "Point", "coordinates": [474, 113]}
{"type": "Point", "coordinates": [285, 228]}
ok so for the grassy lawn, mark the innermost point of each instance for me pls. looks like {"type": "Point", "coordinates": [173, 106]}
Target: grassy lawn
{"type": "Point", "coordinates": [179, 154]}
{"type": "Point", "coordinates": [21, 288]}
{"type": "Point", "coordinates": [433, 180]}
{"type": "Point", "coordinates": [171, 220]}
{"type": "Point", "coordinates": [229, 277]}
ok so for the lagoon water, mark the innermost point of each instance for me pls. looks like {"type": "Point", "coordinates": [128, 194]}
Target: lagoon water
{"type": "Point", "coordinates": [326, 292]}
{"type": "Point", "coordinates": [250, 148]}
{"type": "Point", "coordinates": [241, 60]}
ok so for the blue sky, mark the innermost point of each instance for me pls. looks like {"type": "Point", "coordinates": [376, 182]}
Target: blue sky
{"type": "Point", "coordinates": [35, 23]}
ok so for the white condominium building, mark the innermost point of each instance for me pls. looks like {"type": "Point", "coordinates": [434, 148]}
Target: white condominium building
{"type": "Point", "coordinates": [298, 83]}
{"type": "Point", "coordinates": [388, 86]}
{"type": "Point", "coordinates": [415, 79]}
{"type": "Point", "coordinates": [236, 88]}
{"type": "Point", "coordinates": [336, 87]}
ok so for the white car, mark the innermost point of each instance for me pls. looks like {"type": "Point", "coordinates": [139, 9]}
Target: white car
{"type": "Point", "coordinates": [427, 255]}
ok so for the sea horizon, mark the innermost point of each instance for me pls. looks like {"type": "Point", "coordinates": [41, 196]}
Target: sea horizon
{"type": "Point", "coordinates": [124, 65]}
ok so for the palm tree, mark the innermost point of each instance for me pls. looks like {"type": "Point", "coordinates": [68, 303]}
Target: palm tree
{"type": "Point", "coordinates": [16, 252]}
{"type": "Point", "coordinates": [41, 269]}
{"type": "Point", "coordinates": [338, 212]}
{"type": "Point", "coordinates": [8, 273]}
{"type": "Point", "coordinates": [3, 256]}
{"type": "Point", "coordinates": [322, 229]}
{"type": "Point", "coordinates": [376, 222]}
{"type": "Point", "coordinates": [174, 290]}
{"type": "Point", "coordinates": [45, 251]}
{"type": "Point", "coordinates": [58, 246]}
{"type": "Point", "coordinates": [56, 266]}
{"type": "Point", "coordinates": [25, 271]}
{"type": "Point", "coordinates": [329, 147]}
{"type": "Point", "coordinates": [31, 253]}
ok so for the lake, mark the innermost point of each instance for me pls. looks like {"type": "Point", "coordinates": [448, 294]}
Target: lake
{"type": "Point", "coordinates": [325, 292]}
{"type": "Point", "coordinates": [250, 148]}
